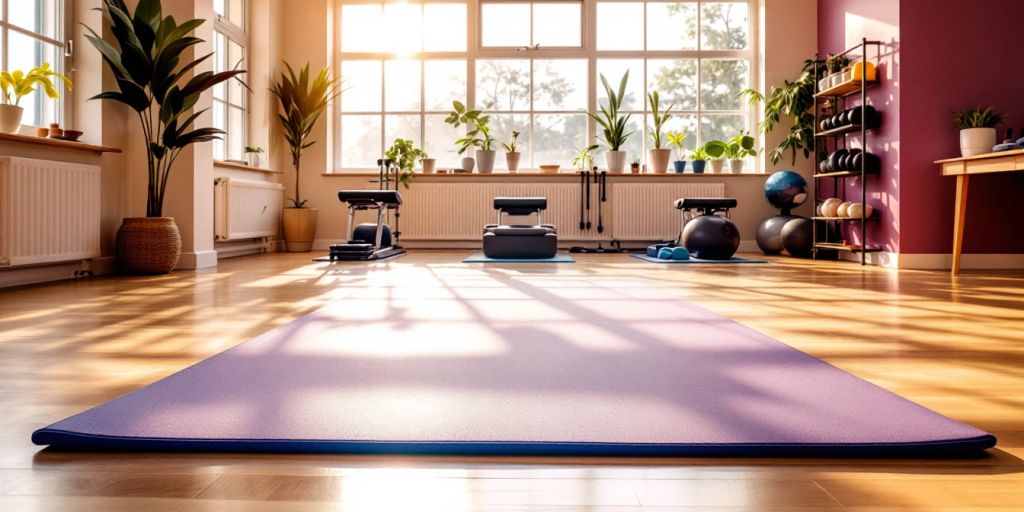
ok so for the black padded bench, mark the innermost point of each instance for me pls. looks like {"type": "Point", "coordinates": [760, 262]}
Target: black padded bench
{"type": "Point", "coordinates": [519, 241]}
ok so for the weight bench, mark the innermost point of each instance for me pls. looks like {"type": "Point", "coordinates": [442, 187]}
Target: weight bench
{"type": "Point", "coordinates": [367, 241]}
{"type": "Point", "coordinates": [518, 241]}
{"type": "Point", "coordinates": [702, 206]}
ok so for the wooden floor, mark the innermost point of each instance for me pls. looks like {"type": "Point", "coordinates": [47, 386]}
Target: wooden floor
{"type": "Point", "coordinates": [955, 345]}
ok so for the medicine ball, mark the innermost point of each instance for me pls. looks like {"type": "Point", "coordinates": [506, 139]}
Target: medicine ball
{"type": "Point", "coordinates": [710, 237]}
{"type": "Point", "coordinates": [769, 234]}
{"type": "Point", "coordinates": [798, 237]}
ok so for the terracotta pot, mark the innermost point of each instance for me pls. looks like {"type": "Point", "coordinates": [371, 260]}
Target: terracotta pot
{"type": "Point", "coordinates": [299, 229]}
{"type": "Point", "coordinates": [10, 118]}
{"type": "Point", "coordinates": [659, 160]}
{"type": "Point", "coordinates": [717, 165]}
{"type": "Point", "coordinates": [148, 245]}
{"type": "Point", "coordinates": [485, 161]}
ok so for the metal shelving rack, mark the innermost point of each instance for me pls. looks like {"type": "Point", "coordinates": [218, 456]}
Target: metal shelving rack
{"type": "Point", "coordinates": [838, 95]}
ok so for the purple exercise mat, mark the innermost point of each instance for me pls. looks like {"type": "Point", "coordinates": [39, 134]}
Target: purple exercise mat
{"type": "Point", "coordinates": [491, 363]}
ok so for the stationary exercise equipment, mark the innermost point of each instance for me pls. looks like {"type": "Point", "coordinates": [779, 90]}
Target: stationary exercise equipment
{"type": "Point", "coordinates": [518, 241]}
{"type": "Point", "coordinates": [787, 190]}
{"type": "Point", "coordinates": [371, 241]}
{"type": "Point", "coordinates": [709, 234]}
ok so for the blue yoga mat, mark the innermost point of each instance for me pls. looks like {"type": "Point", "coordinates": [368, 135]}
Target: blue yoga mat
{"type": "Point", "coordinates": [694, 261]}
{"type": "Point", "coordinates": [480, 258]}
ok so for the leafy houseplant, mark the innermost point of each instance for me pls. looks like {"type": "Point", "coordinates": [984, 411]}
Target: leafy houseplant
{"type": "Point", "coordinates": [677, 139]}
{"type": "Point", "coordinates": [659, 155]}
{"type": "Point", "coordinates": [302, 99]}
{"type": "Point", "coordinates": [613, 125]}
{"type": "Point", "coordinates": [512, 153]}
{"type": "Point", "coordinates": [156, 78]}
{"type": "Point", "coordinates": [699, 157]}
{"type": "Point", "coordinates": [404, 155]}
{"type": "Point", "coordinates": [716, 151]}
{"type": "Point", "coordinates": [252, 155]}
{"type": "Point", "coordinates": [634, 166]}
{"type": "Point", "coordinates": [478, 136]}
{"type": "Point", "coordinates": [977, 129]}
{"type": "Point", "coordinates": [739, 148]}
{"type": "Point", "coordinates": [15, 85]}
{"type": "Point", "coordinates": [584, 159]}
{"type": "Point", "coordinates": [793, 101]}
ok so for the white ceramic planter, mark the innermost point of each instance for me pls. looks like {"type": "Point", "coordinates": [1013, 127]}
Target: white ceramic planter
{"type": "Point", "coordinates": [10, 118]}
{"type": "Point", "coordinates": [429, 165]}
{"type": "Point", "coordinates": [659, 160]}
{"type": "Point", "coordinates": [977, 141]}
{"type": "Point", "coordinates": [717, 165]}
{"type": "Point", "coordinates": [736, 165]}
{"type": "Point", "coordinates": [485, 161]}
{"type": "Point", "coordinates": [468, 163]}
{"type": "Point", "coordinates": [512, 161]}
{"type": "Point", "coordinates": [616, 161]}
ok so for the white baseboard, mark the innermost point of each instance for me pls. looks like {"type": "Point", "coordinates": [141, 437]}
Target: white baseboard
{"type": "Point", "coordinates": [967, 262]}
{"type": "Point", "coordinates": [197, 260]}
{"type": "Point", "coordinates": [22, 276]}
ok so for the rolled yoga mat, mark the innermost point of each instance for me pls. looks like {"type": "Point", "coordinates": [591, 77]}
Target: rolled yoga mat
{"type": "Point", "coordinates": [482, 363]}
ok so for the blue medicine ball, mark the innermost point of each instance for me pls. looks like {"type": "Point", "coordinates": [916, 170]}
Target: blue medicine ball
{"type": "Point", "coordinates": [785, 190]}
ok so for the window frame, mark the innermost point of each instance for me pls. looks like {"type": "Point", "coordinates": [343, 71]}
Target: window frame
{"type": "Point", "coordinates": [240, 36]}
{"type": "Point", "coordinates": [476, 51]}
{"type": "Point", "coordinates": [64, 111]}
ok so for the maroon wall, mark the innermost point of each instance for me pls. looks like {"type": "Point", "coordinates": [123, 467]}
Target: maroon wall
{"type": "Point", "coordinates": [842, 24]}
{"type": "Point", "coordinates": [957, 54]}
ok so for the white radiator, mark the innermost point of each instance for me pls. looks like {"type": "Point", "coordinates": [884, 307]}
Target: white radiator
{"type": "Point", "coordinates": [245, 209]}
{"type": "Point", "coordinates": [646, 211]}
{"type": "Point", "coordinates": [49, 211]}
{"type": "Point", "coordinates": [458, 211]}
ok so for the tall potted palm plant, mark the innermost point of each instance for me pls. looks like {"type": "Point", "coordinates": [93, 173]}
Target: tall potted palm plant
{"type": "Point", "coordinates": [302, 100]}
{"type": "Point", "coordinates": [659, 155]}
{"type": "Point", "coordinates": [157, 80]}
{"type": "Point", "coordinates": [613, 125]}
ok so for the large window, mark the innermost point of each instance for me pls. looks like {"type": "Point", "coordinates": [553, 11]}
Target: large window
{"type": "Point", "coordinates": [31, 33]}
{"type": "Point", "coordinates": [230, 99]}
{"type": "Point", "coordinates": [535, 67]}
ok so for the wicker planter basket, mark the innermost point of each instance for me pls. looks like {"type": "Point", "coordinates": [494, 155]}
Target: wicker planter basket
{"type": "Point", "coordinates": [148, 245]}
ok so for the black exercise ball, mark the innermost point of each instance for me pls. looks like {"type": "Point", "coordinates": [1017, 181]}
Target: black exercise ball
{"type": "Point", "coordinates": [798, 237]}
{"type": "Point", "coordinates": [710, 237]}
{"type": "Point", "coordinates": [769, 234]}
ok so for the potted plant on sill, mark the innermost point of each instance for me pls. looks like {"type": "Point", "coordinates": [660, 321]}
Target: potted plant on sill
{"type": "Point", "coordinates": [302, 100]}
{"type": "Point", "coordinates": [18, 84]}
{"type": "Point", "coordinates": [716, 151]}
{"type": "Point", "coordinates": [613, 125]}
{"type": "Point", "coordinates": [977, 129]}
{"type": "Point", "coordinates": [738, 149]}
{"type": "Point", "coordinates": [676, 139]}
{"type": "Point", "coordinates": [659, 155]}
{"type": "Point", "coordinates": [403, 153]}
{"type": "Point", "coordinates": [512, 153]}
{"type": "Point", "coordinates": [634, 166]}
{"type": "Point", "coordinates": [478, 136]}
{"type": "Point", "coordinates": [253, 156]}
{"type": "Point", "coordinates": [699, 159]}
{"type": "Point", "coordinates": [584, 159]}
{"type": "Point", "coordinates": [154, 71]}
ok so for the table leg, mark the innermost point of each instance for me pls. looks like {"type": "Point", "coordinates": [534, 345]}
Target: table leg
{"type": "Point", "coordinates": [958, 220]}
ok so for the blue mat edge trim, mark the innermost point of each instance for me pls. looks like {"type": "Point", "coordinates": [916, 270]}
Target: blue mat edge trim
{"type": "Point", "coordinates": [480, 258]}
{"type": "Point", "coordinates": [60, 439]}
{"type": "Point", "coordinates": [695, 261]}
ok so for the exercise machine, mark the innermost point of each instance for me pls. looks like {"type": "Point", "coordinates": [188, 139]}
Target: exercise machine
{"type": "Point", "coordinates": [519, 241]}
{"type": "Point", "coordinates": [706, 230]}
{"type": "Point", "coordinates": [371, 241]}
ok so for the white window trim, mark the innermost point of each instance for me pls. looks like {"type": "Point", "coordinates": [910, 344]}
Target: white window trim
{"type": "Point", "coordinates": [62, 42]}
{"type": "Point", "coordinates": [475, 51]}
{"type": "Point", "coordinates": [240, 36]}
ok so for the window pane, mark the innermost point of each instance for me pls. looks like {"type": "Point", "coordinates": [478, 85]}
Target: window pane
{"type": "Point", "coordinates": [613, 69]}
{"type": "Point", "coordinates": [446, 27]}
{"type": "Point", "coordinates": [439, 141]}
{"type": "Point", "coordinates": [679, 123]}
{"type": "Point", "coordinates": [556, 138]}
{"type": "Point", "coordinates": [619, 26]}
{"type": "Point", "coordinates": [236, 60]}
{"type": "Point", "coordinates": [236, 133]}
{"type": "Point", "coordinates": [557, 24]}
{"type": "Point", "coordinates": [402, 85]}
{"type": "Point", "coordinates": [724, 26]}
{"type": "Point", "coordinates": [560, 84]}
{"type": "Point", "coordinates": [403, 28]}
{"type": "Point", "coordinates": [362, 86]}
{"type": "Point", "coordinates": [671, 26]}
{"type": "Point", "coordinates": [403, 126]}
{"type": "Point", "coordinates": [220, 121]}
{"type": "Point", "coordinates": [236, 12]}
{"type": "Point", "coordinates": [675, 80]}
{"type": "Point", "coordinates": [505, 24]}
{"type": "Point", "coordinates": [502, 126]}
{"type": "Point", "coordinates": [444, 82]}
{"type": "Point", "coordinates": [220, 64]}
{"type": "Point", "coordinates": [503, 84]}
{"type": "Point", "coordinates": [721, 126]}
{"type": "Point", "coordinates": [361, 28]}
{"type": "Point", "coordinates": [220, 7]}
{"type": "Point", "coordinates": [360, 141]}
{"type": "Point", "coordinates": [721, 83]}
{"type": "Point", "coordinates": [39, 16]}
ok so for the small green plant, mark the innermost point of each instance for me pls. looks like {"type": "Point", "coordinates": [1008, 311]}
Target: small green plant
{"type": "Point", "coordinates": [253, 149]}
{"type": "Point", "coordinates": [512, 146]}
{"type": "Point", "coordinates": [480, 134]}
{"type": "Point", "coordinates": [584, 158]}
{"type": "Point", "coordinates": [635, 162]}
{"type": "Point", "coordinates": [716, 149]}
{"type": "Point", "coordinates": [978, 117]}
{"type": "Point", "coordinates": [613, 125]}
{"type": "Point", "coordinates": [836, 63]}
{"type": "Point", "coordinates": [699, 154]}
{"type": "Point", "coordinates": [404, 154]}
{"type": "Point", "coordinates": [741, 146]}
{"type": "Point", "coordinates": [659, 117]}
{"type": "Point", "coordinates": [677, 139]}
{"type": "Point", "coordinates": [18, 84]}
